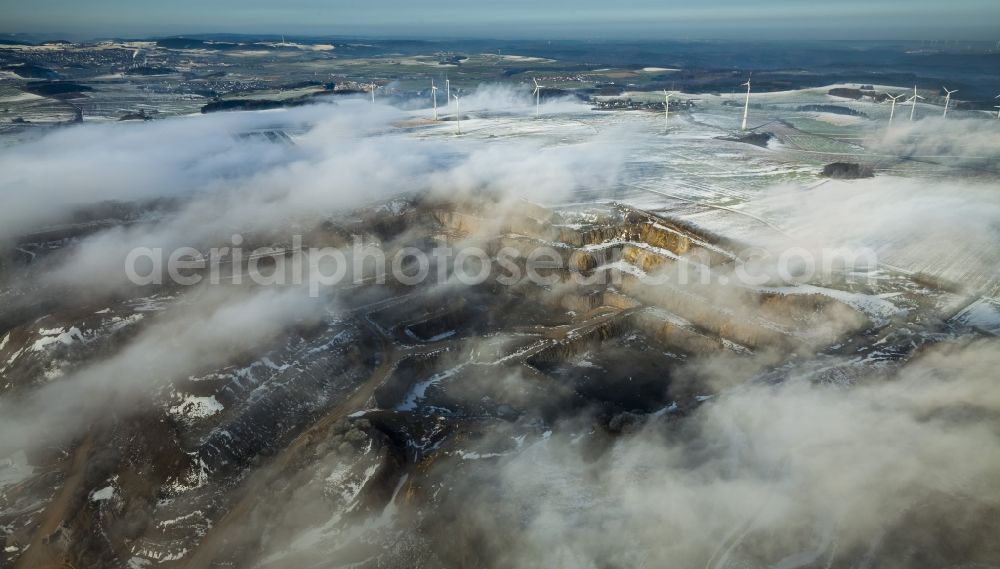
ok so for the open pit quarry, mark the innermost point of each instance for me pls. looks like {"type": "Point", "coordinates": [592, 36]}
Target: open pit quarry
{"type": "Point", "coordinates": [383, 430]}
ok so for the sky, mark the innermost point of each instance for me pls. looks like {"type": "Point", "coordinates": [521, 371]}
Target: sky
{"type": "Point", "coordinates": [516, 19]}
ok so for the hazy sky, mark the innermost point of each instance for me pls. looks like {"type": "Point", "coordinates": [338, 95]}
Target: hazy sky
{"type": "Point", "coordinates": [795, 19]}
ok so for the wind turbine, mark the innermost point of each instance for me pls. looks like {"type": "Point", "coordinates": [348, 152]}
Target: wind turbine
{"type": "Point", "coordinates": [746, 105]}
{"type": "Point", "coordinates": [892, 109]}
{"type": "Point", "coordinates": [434, 97]}
{"type": "Point", "coordinates": [458, 115]}
{"type": "Point", "coordinates": [913, 102]}
{"type": "Point", "coordinates": [947, 99]}
{"type": "Point", "coordinates": [666, 108]}
{"type": "Point", "coordinates": [538, 95]}
{"type": "Point", "coordinates": [447, 90]}
{"type": "Point", "coordinates": [373, 92]}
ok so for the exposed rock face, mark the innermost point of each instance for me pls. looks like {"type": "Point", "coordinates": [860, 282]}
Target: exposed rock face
{"type": "Point", "coordinates": [395, 412]}
{"type": "Point", "coordinates": [847, 171]}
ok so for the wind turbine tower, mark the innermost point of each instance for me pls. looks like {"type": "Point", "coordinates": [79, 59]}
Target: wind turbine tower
{"type": "Point", "coordinates": [458, 114]}
{"type": "Point", "coordinates": [538, 95]}
{"type": "Point", "coordinates": [373, 92]}
{"type": "Point", "coordinates": [947, 99]}
{"type": "Point", "coordinates": [913, 102]}
{"type": "Point", "coordinates": [746, 105]}
{"type": "Point", "coordinates": [447, 91]}
{"type": "Point", "coordinates": [892, 109]}
{"type": "Point", "coordinates": [997, 107]}
{"type": "Point", "coordinates": [434, 98]}
{"type": "Point", "coordinates": [666, 109]}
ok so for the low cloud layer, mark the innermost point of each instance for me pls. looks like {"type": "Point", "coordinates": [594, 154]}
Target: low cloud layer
{"type": "Point", "coordinates": [793, 475]}
{"type": "Point", "coordinates": [968, 144]}
{"type": "Point", "coordinates": [942, 227]}
{"type": "Point", "coordinates": [933, 206]}
{"type": "Point", "coordinates": [226, 183]}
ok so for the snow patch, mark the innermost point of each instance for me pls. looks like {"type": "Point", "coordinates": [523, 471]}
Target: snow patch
{"type": "Point", "coordinates": [105, 493]}
{"type": "Point", "coordinates": [139, 563]}
{"type": "Point", "coordinates": [417, 392]}
{"type": "Point", "coordinates": [119, 322]}
{"type": "Point", "coordinates": [465, 455]}
{"type": "Point", "coordinates": [56, 335]}
{"type": "Point", "coordinates": [878, 310]}
{"type": "Point", "coordinates": [197, 407]}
